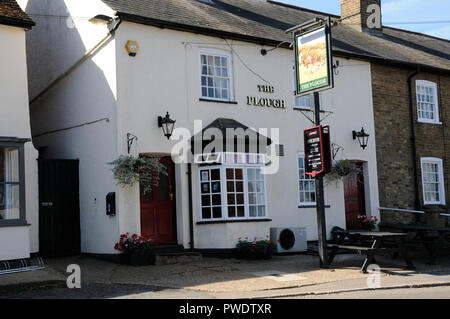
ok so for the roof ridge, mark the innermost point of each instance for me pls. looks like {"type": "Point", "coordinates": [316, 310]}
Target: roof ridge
{"type": "Point", "coordinates": [417, 33]}
{"type": "Point", "coordinates": [302, 8]}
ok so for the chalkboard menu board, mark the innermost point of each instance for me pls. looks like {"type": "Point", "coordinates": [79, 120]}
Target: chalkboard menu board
{"type": "Point", "coordinates": [317, 150]}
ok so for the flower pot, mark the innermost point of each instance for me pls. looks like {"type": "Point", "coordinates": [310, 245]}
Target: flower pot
{"type": "Point", "coordinates": [140, 258]}
{"type": "Point", "coordinates": [151, 259]}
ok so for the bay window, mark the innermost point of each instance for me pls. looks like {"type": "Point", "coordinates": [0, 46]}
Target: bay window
{"type": "Point", "coordinates": [234, 190]}
{"type": "Point", "coordinates": [12, 188]}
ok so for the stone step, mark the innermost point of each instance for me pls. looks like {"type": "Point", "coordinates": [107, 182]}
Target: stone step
{"type": "Point", "coordinates": [176, 258]}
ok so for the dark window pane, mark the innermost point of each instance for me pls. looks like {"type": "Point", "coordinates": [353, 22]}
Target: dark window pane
{"type": "Point", "coordinates": [206, 200]}
{"type": "Point", "coordinates": [230, 187]}
{"type": "Point", "coordinates": [230, 173]}
{"type": "Point", "coordinates": [206, 213]}
{"type": "Point", "coordinates": [240, 211]}
{"type": "Point", "coordinates": [231, 199]}
{"type": "Point", "coordinates": [238, 173]}
{"type": "Point", "coordinates": [231, 211]}
{"type": "Point", "coordinates": [205, 188]}
{"type": "Point", "coordinates": [215, 174]}
{"type": "Point", "coordinates": [146, 193]}
{"type": "Point", "coordinates": [215, 187]}
{"type": "Point", "coordinates": [9, 201]}
{"type": "Point", "coordinates": [217, 212]}
{"type": "Point", "coordinates": [216, 200]}
{"type": "Point", "coordinates": [240, 199]}
{"type": "Point", "coordinates": [240, 187]}
{"type": "Point", "coordinates": [163, 185]}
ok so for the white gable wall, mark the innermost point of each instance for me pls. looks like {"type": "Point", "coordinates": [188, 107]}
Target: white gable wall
{"type": "Point", "coordinates": [15, 122]}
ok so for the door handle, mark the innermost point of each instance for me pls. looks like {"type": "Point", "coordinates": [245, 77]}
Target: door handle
{"type": "Point", "coordinates": [171, 196]}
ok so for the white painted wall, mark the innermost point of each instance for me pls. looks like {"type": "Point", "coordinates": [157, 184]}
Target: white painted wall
{"type": "Point", "coordinates": [164, 76]}
{"type": "Point", "coordinates": [85, 96]}
{"type": "Point", "coordinates": [15, 122]}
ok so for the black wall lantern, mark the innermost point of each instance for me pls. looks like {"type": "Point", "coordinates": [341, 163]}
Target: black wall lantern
{"type": "Point", "coordinates": [362, 137]}
{"type": "Point", "coordinates": [167, 125]}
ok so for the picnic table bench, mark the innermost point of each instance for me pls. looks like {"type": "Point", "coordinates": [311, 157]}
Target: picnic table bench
{"type": "Point", "coordinates": [421, 235]}
{"type": "Point", "coordinates": [370, 244]}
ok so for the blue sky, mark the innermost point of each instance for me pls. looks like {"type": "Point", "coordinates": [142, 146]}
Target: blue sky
{"type": "Point", "coordinates": [398, 11]}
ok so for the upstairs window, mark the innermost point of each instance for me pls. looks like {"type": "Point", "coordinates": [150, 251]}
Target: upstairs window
{"type": "Point", "coordinates": [216, 75]}
{"type": "Point", "coordinates": [427, 102]}
{"type": "Point", "coordinates": [433, 181]}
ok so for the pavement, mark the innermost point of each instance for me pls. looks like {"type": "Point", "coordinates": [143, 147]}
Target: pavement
{"type": "Point", "coordinates": [281, 277]}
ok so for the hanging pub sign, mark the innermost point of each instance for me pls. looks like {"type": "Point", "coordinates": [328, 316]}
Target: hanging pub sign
{"type": "Point", "coordinates": [313, 59]}
{"type": "Point", "coordinates": [317, 151]}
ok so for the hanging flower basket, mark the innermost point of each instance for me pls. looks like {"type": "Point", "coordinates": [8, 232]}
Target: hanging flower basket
{"type": "Point", "coordinates": [341, 169]}
{"type": "Point", "coordinates": [129, 170]}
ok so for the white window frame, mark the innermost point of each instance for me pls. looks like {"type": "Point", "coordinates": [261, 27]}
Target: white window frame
{"type": "Point", "coordinates": [434, 87]}
{"type": "Point", "coordinates": [222, 54]}
{"type": "Point", "coordinates": [309, 204]}
{"type": "Point", "coordinates": [224, 192]}
{"type": "Point", "coordinates": [438, 161]}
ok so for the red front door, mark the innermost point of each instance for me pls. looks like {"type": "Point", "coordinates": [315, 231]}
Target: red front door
{"type": "Point", "coordinates": [158, 207]}
{"type": "Point", "coordinates": [354, 195]}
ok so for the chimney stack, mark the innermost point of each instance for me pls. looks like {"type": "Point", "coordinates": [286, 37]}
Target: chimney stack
{"type": "Point", "coordinates": [362, 15]}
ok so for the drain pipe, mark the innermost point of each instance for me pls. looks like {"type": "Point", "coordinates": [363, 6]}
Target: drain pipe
{"type": "Point", "coordinates": [86, 56]}
{"type": "Point", "coordinates": [413, 132]}
{"type": "Point", "coordinates": [191, 211]}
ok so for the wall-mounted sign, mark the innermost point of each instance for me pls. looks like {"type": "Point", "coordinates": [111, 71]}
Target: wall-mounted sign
{"type": "Point", "coordinates": [266, 102]}
{"type": "Point", "coordinates": [317, 151]}
{"type": "Point", "coordinates": [313, 60]}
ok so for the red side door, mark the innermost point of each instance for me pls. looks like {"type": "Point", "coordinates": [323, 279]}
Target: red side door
{"type": "Point", "coordinates": [354, 196]}
{"type": "Point", "coordinates": [158, 207]}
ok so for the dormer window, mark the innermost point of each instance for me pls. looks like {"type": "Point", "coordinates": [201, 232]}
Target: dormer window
{"type": "Point", "coordinates": [427, 102]}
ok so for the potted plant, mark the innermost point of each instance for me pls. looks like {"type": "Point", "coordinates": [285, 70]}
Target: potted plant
{"type": "Point", "coordinates": [341, 168]}
{"type": "Point", "coordinates": [138, 249]}
{"type": "Point", "coordinates": [255, 250]}
{"type": "Point", "coordinates": [365, 223]}
{"type": "Point", "coordinates": [129, 170]}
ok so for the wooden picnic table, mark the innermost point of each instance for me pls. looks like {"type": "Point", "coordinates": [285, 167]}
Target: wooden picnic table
{"type": "Point", "coordinates": [369, 243]}
{"type": "Point", "coordinates": [421, 235]}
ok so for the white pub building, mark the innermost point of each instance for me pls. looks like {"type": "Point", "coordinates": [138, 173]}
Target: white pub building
{"type": "Point", "coordinates": [108, 71]}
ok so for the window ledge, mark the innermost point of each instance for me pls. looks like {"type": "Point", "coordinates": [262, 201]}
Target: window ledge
{"type": "Point", "coordinates": [312, 206]}
{"type": "Point", "coordinates": [429, 122]}
{"type": "Point", "coordinates": [13, 223]}
{"type": "Point", "coordinates": [229, 221]}
{"type": "Point", "coordinates": [217, 101]}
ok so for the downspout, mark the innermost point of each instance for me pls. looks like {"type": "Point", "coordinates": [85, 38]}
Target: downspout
{"type": "Point", "coordinates": [413, 132]}
{"type": "Point", "coordinates": [87, 55]}
{"type": "Point", "coordinates": [191, 211]}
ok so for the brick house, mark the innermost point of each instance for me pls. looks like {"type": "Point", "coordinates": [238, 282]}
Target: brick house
{"type": "Point", "coordinates": [411, 81]}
